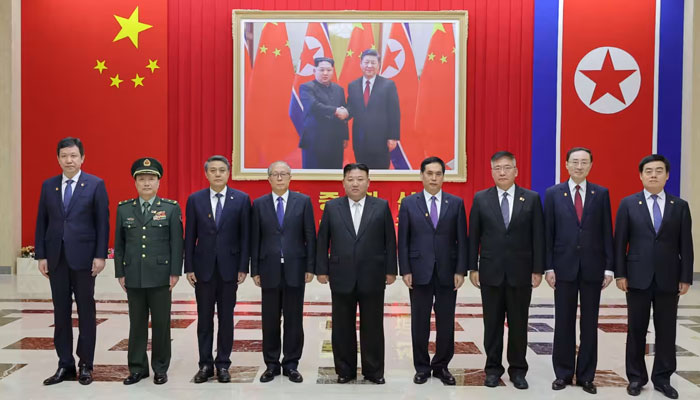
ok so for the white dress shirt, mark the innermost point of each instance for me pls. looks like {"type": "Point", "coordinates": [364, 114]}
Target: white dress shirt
{"type": "Point", "coordinates": [284, 197]}
{"type": "Point", "coordinates": [429, 202]}
{"type": "Point", "coordinates": [650, 203]}
{"type": "Point", "coordinates": [511, 199]}
{"type": "Point", "coordinates": [213, 199]}
{"type": "Point", "coordinates": [371, 84]}
{"type": "Point", "coordinates": [351, 204]}
{"type": "Point", "coordinates": [64, 180]}
{"type": "Point", "coordinates": [572, 191]}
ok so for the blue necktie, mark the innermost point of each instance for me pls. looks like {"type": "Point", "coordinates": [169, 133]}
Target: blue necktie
{"type": "Point", "coordinates": [280, 210]}
{"type": "Point", "coordinates": [657, 213]}
{"type": "Point", "coordinates": [67, 194]}
{"type": "Point", "coordinates": [505, 209]}
{"type": "Point", "coordinates": [434, 211]}
{"type": "Point", "coordinates": [219, 209]}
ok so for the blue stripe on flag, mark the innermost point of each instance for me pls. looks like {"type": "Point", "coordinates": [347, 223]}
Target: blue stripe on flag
{"type": "Point", "coordinates": [296, 114]}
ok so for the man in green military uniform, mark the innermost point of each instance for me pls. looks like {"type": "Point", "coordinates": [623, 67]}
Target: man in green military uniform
{"type": "Point", "coordinates": [148, 263]}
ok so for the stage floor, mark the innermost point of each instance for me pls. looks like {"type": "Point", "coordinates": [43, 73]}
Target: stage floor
{"type": "Point", "coordinates": [27, 356]}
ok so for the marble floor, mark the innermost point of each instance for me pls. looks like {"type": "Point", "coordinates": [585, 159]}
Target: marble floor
{"type": "Point", "coordinates": [27, 355]}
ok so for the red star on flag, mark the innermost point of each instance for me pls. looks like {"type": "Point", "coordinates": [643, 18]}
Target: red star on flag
{"type": "Point", "coordinates": [307, 55]}
{"type": "Point", "coordinates": [390, 59]}
{"type": "Point", "coordinates": [608, 79]}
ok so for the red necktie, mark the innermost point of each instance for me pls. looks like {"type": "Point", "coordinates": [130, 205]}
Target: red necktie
{"type": "Point", "coordinates": [366, 93]}
{"type": "Point", "coordinates": [578, 203]}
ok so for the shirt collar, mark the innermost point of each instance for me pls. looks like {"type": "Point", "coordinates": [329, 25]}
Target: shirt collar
{"type": "Point", "coordinates": [437, 195]}
{"type": "Point", "coordinates": [662, 195]}
{"type": "Point", "coordinates": [572, 185]}
{"type": "Point", "coordinates": [213, 193]}
{"type": "Point", "coordinates": [371, 81]}
{"type": "Point", "coordinates": [511, 192]}
{"type": "Point", "coordinates": [362, 201]}
{"type": "Point", "coordinates": [141, 201]}
{"type": "Point", "coordinates": [64, 178]}
{"type": "Point", "coordinates": [284, 197]}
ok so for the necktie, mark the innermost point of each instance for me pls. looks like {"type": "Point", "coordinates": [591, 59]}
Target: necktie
{"type": "Point", "coordinates": [219, 210]}
{"type": "Point", "coordinates": [67, 194]}
{"type": "Point", "coordinates": [657, 213]}
{"type": "Point", "coordinates": [357, 216]}
{"type": "Point", "coordinates": [505, 209]}
{"type": "Point", "coordinates": [366, 93]}
{"type": "Point", "coordinates": [578, 203]}
{"type": "Point", "coordinates": [146, 207]}
{"type": "Point", "coordinates": [280, 210]}
{"type": "Point", "coordinates": [434, 211]}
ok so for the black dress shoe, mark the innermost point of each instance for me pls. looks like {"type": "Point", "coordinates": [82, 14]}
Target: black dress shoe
{"type": "Point", "coordinates": [379, 381]}
{"type": "Point", "coordinates": [558, 384]}
{"type": "Point", "coordinates": [445, 376]}
{"type": "Point", "coordinates": [293, 375]}
{"type": "Point", "coordinates": [345, 379]}
{"type": "Point", "coordinates": [588, 386]}
{"type": "Point", "coordinates": [519, 382]}
{"type": "Point", "coordinates": [222, 375]}
{"type": "Point", "coordinates": [160, 379]}
{"type": "Point", "coordinates": [62, 374]}
{"type": "Point", "coordinates": [269, 375]}
{"type": "Point", "coordinates": [667, 390]}
{"type": "Point", "coordinates": [491, 381]}
{"type": "Point", "coordinates": [634, 388]}
{"type": "Point", "coordinates": [134, 378]}
{"type": "Point", "coordinates": [203, 374]}
{"type": "Point", "coordinates": [421, 377]}
{"type": "Point", "coordinates": [85, 377]}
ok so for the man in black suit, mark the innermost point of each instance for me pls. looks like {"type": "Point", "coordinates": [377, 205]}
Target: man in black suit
{"type": "Point", "coordinates": [506, 260]}
{"type": "Point", "coordinates": [324, 134]}
{"type": "Point", "coordinates": [653, 265]}
{"type": "Point", "coordinates": [433, 262]}
{"type": "Point", "coordinates": [71, 237]}
{"type": "Point", "coordinates": [578, 233]}
{"type": "Point", "coordinates": [359, 232]}
{"type": "Point", "coordinates": [282, 259]}
{"type": "Point", "coordinates": [217, 250]}
{"type": "Point", "coordinates": [373, 103]}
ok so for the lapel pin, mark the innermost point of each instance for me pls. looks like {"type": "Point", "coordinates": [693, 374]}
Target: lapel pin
{"type": "Point", "coordinates": [82, 184]}
{"type": "Point", "coordinates": [56, 189]}
{"type": "Point", "coordinates": [592, 191]}
{"type": "Point", "coordinates": [231, 197]}
{"type": "Point", "coordinates": [565, 194]}
{"type": "Point", "coordinates": [153, 211]}
{"type": "Point", "coordinates": [209, 215]}
{"type": "Point", "coordinates": [640, 202]}
{"type": "Point", "coordinates": [522, 199]}
{"type": "Point", "coordinates": [427, 215]}
{"type": "Point", "coordinates": [134, 202]}
{"type": "Point", "coordinates": [671, 201]}
{"type": "Point", "coordinates": [158, 203]}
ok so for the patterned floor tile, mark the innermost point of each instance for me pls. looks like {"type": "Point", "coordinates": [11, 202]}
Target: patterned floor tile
{"type": "Point", "coordinates": [680, 352]}
{"type": "Point", "coordinates": [249, 324]}
{"type": "Point", "coordinates": [539, 327]}
{"type": "Point", "coordinates": [76, 323]}
{"type": "Point", "coordinates": [239, 374]}
{"type": "Point", "coordinates": [32, 343]}
{"type": "Point", "coordinates": [7, 369]}
{"type": "Point", "coordinates": [613, 328]}
{"type": "Point", "coordinates": [327, 375]}
{"type": "Point", "coordinates": [541, 348]}
{"type": "Point", "coordinates": [471, 377]}
{"type": "Point", "coordinates": [691, 376]}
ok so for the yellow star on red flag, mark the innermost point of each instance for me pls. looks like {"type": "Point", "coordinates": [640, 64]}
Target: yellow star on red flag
{"type": "Point", "coordinates": [152, 65]}
{"type": "Point", "coordinates": [138, 80]}
{"type": "Point", "coordinates": [115, 81]}
{"type": "Point", "coordinates": [100, 66]}
{"type": "Point", "coordinates": [131, 27]}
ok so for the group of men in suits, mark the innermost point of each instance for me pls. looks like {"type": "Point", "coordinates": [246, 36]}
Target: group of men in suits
{"type": "Point", "coordinates": [511, 242]}
{"type": "Point", "coordinates": [372, 104]}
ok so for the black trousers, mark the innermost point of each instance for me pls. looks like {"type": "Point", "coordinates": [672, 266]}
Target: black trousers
{"type": "Point", "coordinates": [323, 157]}
{"type": "Point", "coordinates": [422, 304]}
{"type": "Point", "coordinates": [639, 302]}
{"type": "Point", "coordinates": [284, 301]}
{"type": "Point", "coordinates": [500, 302]}
{"type": "Point", "coordinates": [564, 358]}
{"type": "Point", "coordinates": [66, 283]}
{"type": "Point", "coordinates": [221, 294]}
{"type": "Point", "coordinates": [344, 334]}
{"type": "Point", "coordinates": [143, 301]}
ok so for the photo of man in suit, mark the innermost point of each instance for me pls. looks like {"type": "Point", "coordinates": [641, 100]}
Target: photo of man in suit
{"type": "Point", "coordinates": [71, 238]}
{"type": "Point", "coordinates": [356, 252]}
{"type": "Point", "coordinates": [433, 261]}
{"type": "Point", "coordinates": [217, 248]}
{"type": "Point", "coordinates": [578, 235]}
{"type": "Point", "coordinates": [506, 260]}
{"type": "Point", "coordinates": [325, 128]}
{"type": "Point", "coordinates": [653, 266]}
{"type": "Point", "coordinates": [282, 259]}
{"type": "Point", "coordinates": [373, 102]}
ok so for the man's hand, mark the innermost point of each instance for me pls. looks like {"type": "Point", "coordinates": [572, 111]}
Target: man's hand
{"type": "Point", "coordinates": [121, 283]}
{"type": "Point", "coordinates": [683, 288]}
{"type": "Point", "coordinates": [551, 279]}
{"type": "Point", "coordinates": [459, 281]}
{"type": "Point", "coordinates": [390, 279]}
{"type": "Point", "coordinates": [342, 113]}
{"type": "Point", "coordinates": [391, 144]}
{"type": "Point", "coordinates": [173, 281]}
{"type": "Point", "coordinates": [408, 280]}
{"type": "Point", "coordinates": [308, 277]}
{"type": "Point", "coordinates": [256, 280]}
{"type": "Point", "coordinates": [191, 278]}
{"type": "Point", "coordinates": [474, 277]}
{"type": "Point", "coordinates": [606, 281]}
{"type": "Point", "coordinates": [322, 278]}
{"type": "Point", "coordinates": [536, 280]}
{"type": "Point", "coordinates": [98, 264]}
{"type": "Point", "coordinates": [241, 277]}
{"type": "Point", "coordinates": [621, 284]}
{"type": "Point", "coordinates": [44, 267]}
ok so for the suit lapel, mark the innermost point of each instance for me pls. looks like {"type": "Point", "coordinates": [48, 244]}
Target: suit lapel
{"type": "Point", "coordinates": [642, 202]}
{"type": "Point", "coordinates": [346, 216]}
{"type": "Point", "coordinates": [136, 208]}
{"type": "Point", "coordinates": [226, 209]}
{"type": "Point", "coordinates": [590, 198]}
{"type": "Point", "coordinates": [290, 203]}
{"type": "Point", "coordinates": [565, 193]}
{"type": "Point", "coordinates": [372, 93]}
{"type": "Point", "coordinates": [79, 189]}
{"type": "Point", "coordinates": [443, 208]}
{"type": "Point", "coordinates": [668, 210]}
{"type": "Point", "coordinates": [424, 209]}
{"type": "Point", "coordinates": [59, 193]}
{"type": "Point", "coordinates": [495, 204]}
{"type": "Point", "coordinates": [366, 215]}
{"type": "Point", "coordinates": [518, 201]}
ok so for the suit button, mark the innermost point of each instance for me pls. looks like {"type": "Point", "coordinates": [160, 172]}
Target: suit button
{"type": "Point", "coordinates": [144, 228]}
{"type": "Point", "coordinates": [143, 256]}
{"type": "Point", "coordinates": [143, 246]}
{"type": "Point", "coordinates": [143, 237]}
{"type": "Point", "coordinates": [166, 261]}
{"type": "Point", "coordinates": [124, 262]}
{"type": "Point", "coordinates": [578, 247]}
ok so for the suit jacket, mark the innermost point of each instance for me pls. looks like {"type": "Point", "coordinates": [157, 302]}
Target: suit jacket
{"type": "Point", "coordinates": [499, 254]}
{"type": "Point", "coordinates": [296, 239]}
{"type": "Point", "coordinates": [82, 229]}
{"type": "Point", "coordinates": [363, 259]}
{"type": "Point", "coordinates": [571, 245]}
{"type": "Point", "coordinates": [147, 251]}
{"type": "Point", "coordinates": [321, 128]}
{"type": "Point", "coordinates": [422, 247]}
{"type": "Point", "coordinates": [227, 247]}
{"type": "Point", "coordinates": [642, 255]}
{"type": "Point", "coordinates": [379, 121]}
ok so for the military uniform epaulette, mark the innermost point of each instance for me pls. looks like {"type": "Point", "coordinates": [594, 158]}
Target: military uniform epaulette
{"type": "Point", "coordinates": [168, 201]}
{"type": "Point", "coordinates": [126, 201]}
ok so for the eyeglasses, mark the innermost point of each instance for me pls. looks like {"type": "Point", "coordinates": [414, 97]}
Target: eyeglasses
{"type": "Point", "coordinates": [506, 168]}
{"type": "Point", "coordinates": [580, 163]}
{"type": "Point", "coordinates": [283, 175]}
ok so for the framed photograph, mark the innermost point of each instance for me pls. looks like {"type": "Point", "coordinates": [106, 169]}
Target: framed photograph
{"type": "Point", "coordinates": [323, 89]}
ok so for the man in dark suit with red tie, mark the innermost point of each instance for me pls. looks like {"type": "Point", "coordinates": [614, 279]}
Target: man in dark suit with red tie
{"type": "Point", "coordinates": [433, 262]}
{"type": "Point", "coordinates": [217, 248]}
{"type": "Point", "coordinates": [578, 233]}
{"type": "Point", "coordinates": [71, 237]}
{"type": "Point", "coordinates": [653, 266]}
{"type": "Point", "coordinates": [282, 259]}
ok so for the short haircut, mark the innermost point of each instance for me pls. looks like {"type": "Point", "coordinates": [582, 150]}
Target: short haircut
{"type": "Point", "coordinates": [575, 149]}
{"type": "Point", "coordinates": [652, 158]}
{"type": "Point", "coordinates": [279, 162]}
{"type": "Point", "coordinates": [500, 154]}
{"type": "Point", "coordinates": [431, 160]}
{"type": "Point", "coordinates": [70, 142]}
{"type": "Point", "coordinates": [352, 166]}
{"type": "Point", "coordinates": [369, 52]}
{"type": "Point", "coordinates": [319, 60]}
{"type": "Point", "coordinates": [217, 158]}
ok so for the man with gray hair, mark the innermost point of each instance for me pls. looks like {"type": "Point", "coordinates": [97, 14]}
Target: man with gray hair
{"type": "Point", "coordinates": [216, 262]}
{"type": "Point", "coordinates": [283, 246]}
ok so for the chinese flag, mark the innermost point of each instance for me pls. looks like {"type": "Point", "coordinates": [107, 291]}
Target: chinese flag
{"type": "Point", "coordinates": [435, 117]}
{"type": "Point", "coordinates": [361, 39]}
{"type": "Point", "coordinates": [269, 134]}
{"type": "Point", "coordinates": [399, 65]}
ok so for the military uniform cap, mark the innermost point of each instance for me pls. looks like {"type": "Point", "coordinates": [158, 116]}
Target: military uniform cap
{"type": "Point", "coordinates": [147, 166]}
